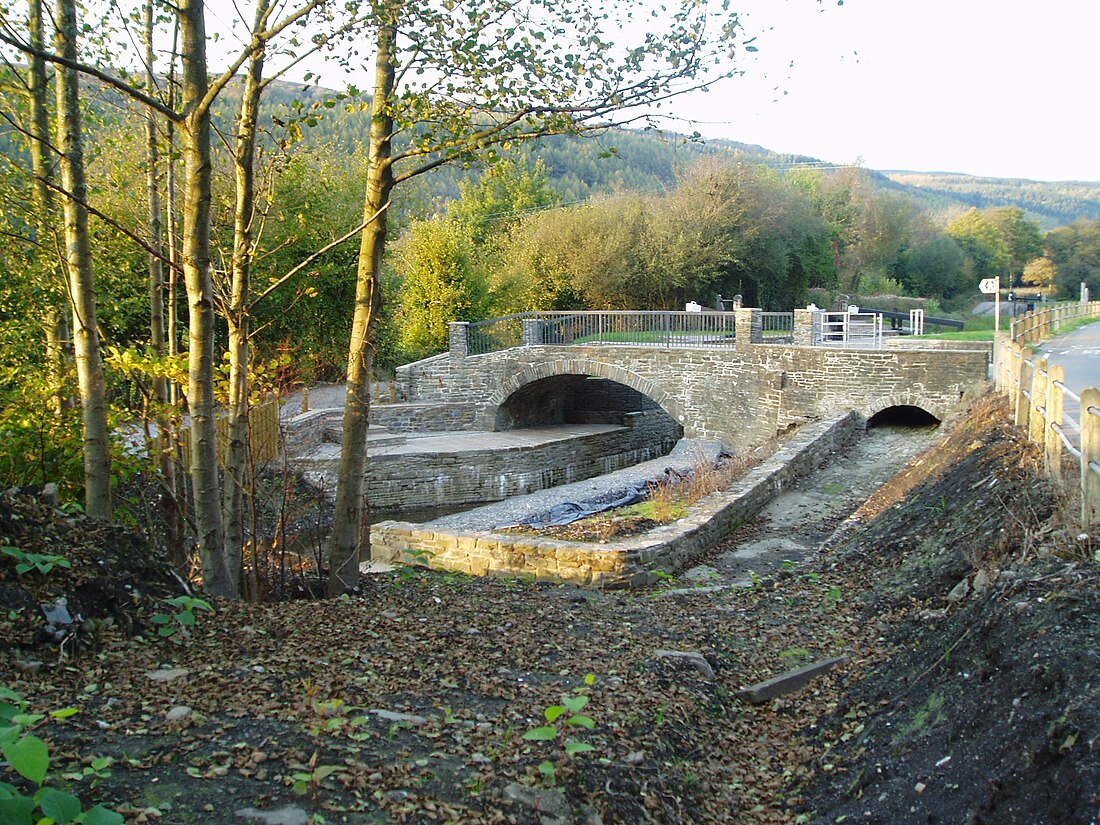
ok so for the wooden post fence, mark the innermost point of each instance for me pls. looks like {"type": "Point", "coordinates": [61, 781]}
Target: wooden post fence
{"type": "Point", "coordinates": [263, 434]}
{"type": "Point", "coordinates": [1037, 394]}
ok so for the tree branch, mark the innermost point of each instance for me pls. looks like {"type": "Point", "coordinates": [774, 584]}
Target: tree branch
{"type": "Point", "coordinates": [111, 222]}
{"type": "Point", "coordinates": [92, 71]}
{"type": "Point", "coordinates": [325, 249]}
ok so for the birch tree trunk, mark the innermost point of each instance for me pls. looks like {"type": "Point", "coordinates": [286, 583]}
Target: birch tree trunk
{"type": "Point", "coordinates": [78, 254]}
{"type": "Point", "coordinates": [237, 469]}
{"type": "Point", "coordinates": [195, 142]}
{"type": "Point", "coordinates": [348, 533]}
{"type": "Point", "coordinates": [55, 323]}
{"type": "Point", "coordinates": [169, 502]}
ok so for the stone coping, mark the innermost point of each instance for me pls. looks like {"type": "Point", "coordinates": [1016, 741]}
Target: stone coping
{"type": "Point", "coordinates": [635, 561]}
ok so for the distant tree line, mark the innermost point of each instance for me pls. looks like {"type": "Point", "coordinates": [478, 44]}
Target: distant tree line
{"type": "Point", "coordinates": [511, 243]}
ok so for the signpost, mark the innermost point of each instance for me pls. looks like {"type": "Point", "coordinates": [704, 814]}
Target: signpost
{"type": "Point", "coordinates": [992, 286]}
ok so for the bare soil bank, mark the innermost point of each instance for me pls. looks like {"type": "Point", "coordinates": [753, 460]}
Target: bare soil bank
{"type": "Point", "coordinates": [982, 708]}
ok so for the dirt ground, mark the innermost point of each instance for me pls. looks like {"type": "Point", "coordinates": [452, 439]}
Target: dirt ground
{"type": "Point", "coordinates": [411, 703]}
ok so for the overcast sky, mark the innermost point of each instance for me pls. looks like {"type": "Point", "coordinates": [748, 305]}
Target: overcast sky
{"type": "Point", "coordinates": [1001, 88]}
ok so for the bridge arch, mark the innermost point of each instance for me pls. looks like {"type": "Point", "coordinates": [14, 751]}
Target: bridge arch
{"type": "Point", "coordinates": [578, 367]}
{"type": "Point", "coordinates": [905, 399]}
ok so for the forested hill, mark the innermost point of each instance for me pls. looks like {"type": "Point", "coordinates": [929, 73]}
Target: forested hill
{"type": "Point", "coordinates": [1051, 204]}
{"type": "Point", "coordinates": [650, 161]}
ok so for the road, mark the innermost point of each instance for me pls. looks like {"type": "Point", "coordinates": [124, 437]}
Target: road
{"type": "Point", "coordinates": [1079, 354]}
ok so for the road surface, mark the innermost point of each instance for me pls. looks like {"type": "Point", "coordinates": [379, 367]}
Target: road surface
{"type": "Point", "coordinates": [1079, 354]}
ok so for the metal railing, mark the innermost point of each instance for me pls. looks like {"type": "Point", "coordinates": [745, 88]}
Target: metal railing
{"type": "Point", "coordinates": [1046, 408]}
{"type": "Point", "coordinates": [497, 334]}
{"type": "Point", "coordinates": [777, 327]}
{"type": "Point", "coordinates": [590, 328]}
{"type": "Point", "coordinates": [847, 330]}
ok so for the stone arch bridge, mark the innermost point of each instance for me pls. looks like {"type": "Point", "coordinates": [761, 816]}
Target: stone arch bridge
{"type": "Point", "coordinates": [719, 375]}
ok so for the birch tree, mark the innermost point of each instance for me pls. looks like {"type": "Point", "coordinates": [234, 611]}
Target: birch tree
{"type": "Point", "coordinates": [192, 119]}
{"type": "Point", "coordinates": [454, 80]}
{"type": "Point", "coordinates": [81, 276]}
{"type": "Point", "coordinates": [38, 144]}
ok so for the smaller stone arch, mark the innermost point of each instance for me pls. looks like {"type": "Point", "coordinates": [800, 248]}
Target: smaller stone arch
{"type": "Point", "coordinates": [908, 399]}
{"type": "Point", "coordinates": [582, 367]}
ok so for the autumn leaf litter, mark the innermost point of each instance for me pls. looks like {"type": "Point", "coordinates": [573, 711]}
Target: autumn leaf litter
{"type": "Point", "coordinates": [409, 702]}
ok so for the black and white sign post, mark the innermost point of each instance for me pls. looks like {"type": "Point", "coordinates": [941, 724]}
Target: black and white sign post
{"type": "Point", "coordinates": [992, 286]}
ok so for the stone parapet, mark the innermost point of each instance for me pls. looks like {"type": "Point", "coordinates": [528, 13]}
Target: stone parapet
{"type": "Point", "coordinates": [749, 323]}
{"type": "Point", "coordinates": [458, 339]}
{"type": "Point", "coordinates": [803, 328]}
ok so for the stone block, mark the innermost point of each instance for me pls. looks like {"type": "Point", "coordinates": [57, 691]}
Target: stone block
{"type": "Point", "coordinates": [788, 682]}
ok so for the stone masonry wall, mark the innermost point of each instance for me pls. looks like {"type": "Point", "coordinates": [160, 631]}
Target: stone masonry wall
{"type": "Point", "coordinates": [413, 481]}
{"type": "Point", "coordinates": [305, 432]}
{"type": "Point", "coordinates": [740, 397]}
{"type": "Point", "coordinates": [633, 562]}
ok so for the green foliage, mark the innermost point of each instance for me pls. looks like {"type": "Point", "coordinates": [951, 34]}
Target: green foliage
{"type": "Point", "coordinates": [38, 444]}
{"type": "Point", "coordinates": [1075, 251]}
{"type": "Point", "coordinates": [177, 624]}
{"type": "Point", "coordinates": [29, 757]}
{"type": "Point", "coordinates": [442, 281]}
{"type": "Point", "coordinates": [561, 720]}
{"type": "Point", "coordinates": [983, 243]}
{"type": "Point", "coordinates": [505, 193]}
{"type": "Point", "coordinates": [725, 229]}
{"type": "Point", "coordinates": [42, 562]}
{"type": "Point", "coordinates": [1022, 237]}
{"type": "Point", "coordinates": [935, 265]}
{"type": "Point", "coordinates": [316, 198]}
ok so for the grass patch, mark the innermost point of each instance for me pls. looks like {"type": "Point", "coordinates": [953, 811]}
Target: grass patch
{"type": "Point", "coordinates": [655, 510]}
{"type": "Point", "coordinates": [668, 501]}
{"type": "Point", "coordinates": [964, 335]}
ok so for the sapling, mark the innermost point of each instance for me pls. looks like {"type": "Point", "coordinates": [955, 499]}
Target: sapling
{"type": "Point", "coordinates": [561, 719]}
{"type": "Point", "coordinates": [29, 756]}
{"type": "Point", "coordinates": [177, 625]}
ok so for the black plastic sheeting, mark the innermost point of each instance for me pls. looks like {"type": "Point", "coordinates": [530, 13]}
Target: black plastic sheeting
{"type": "Point", "coordinates": [569, 511]}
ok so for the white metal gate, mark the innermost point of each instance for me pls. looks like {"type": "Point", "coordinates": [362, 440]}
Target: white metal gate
{"type": "Point", "coordinates": [848, 330]}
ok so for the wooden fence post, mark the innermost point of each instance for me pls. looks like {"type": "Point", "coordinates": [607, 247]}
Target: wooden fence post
{"type": "Point", "coordinates": [1037, 413]}
{"type": "Point", "coordinates": [1090, 453]}
{"type": "Point", "coordinates": [1052, 443]}
{"type": "Point", "coordinates": [1021, 383]}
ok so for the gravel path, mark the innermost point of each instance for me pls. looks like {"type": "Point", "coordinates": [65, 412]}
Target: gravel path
{"type": "Point", "coordinates": [321, 397]}
{"type": "Point", "coordinates": [686, 454]}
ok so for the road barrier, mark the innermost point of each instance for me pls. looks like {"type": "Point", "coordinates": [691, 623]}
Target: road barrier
{"type": "Point", "coordinates": [1044, 406]}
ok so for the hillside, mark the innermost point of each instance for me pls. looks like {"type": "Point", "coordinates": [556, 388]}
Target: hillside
{"type": "Point", "coordinates": [1050, 203]}
{"type": "Point", "coordinates": [619, 159]}
{"type": "Point", "coordinates": [650, 161]}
